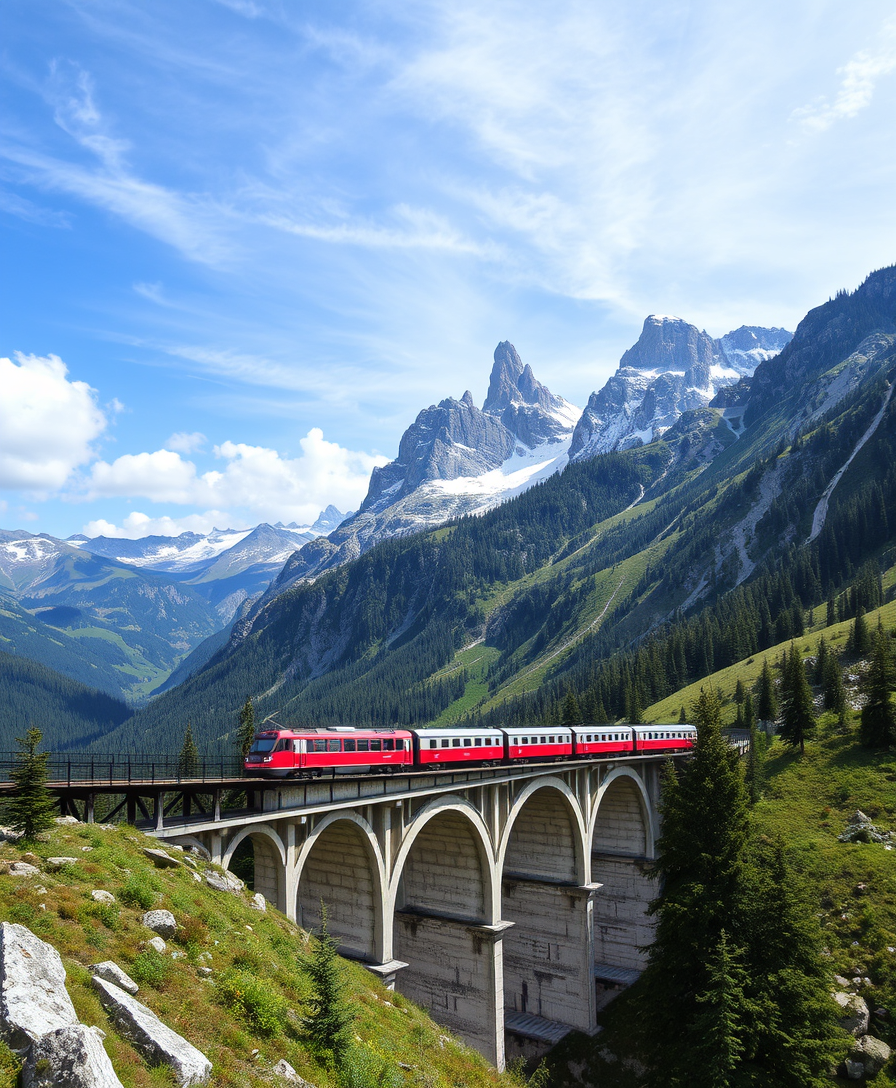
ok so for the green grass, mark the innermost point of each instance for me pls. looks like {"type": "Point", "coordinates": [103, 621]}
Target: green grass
{"type": "Point", "coordinates": [250, 1014]}
{"type": "Point", "coordinates": [748, 670]}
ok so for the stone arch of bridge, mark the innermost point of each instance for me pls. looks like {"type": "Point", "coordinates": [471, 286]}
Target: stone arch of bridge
{"type": "Point", "coordinates": [462, 828]}
{"type": "Point", "coordinates": [622, 840]}
{"type": "Point", "coordinates": [341, 864]}
{"type": "Point", "coordinates": [533, 816]}
{"type": "Point", "coordinates": [545, 868]}
{"type": "Point", "coordinates": [270, 861]}
{"type": "Point", "coordinates": [445, 900]}
{"type": "Point", "coordinates": [625, 781]}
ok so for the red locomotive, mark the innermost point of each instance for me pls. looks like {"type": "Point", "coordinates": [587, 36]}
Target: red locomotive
{"type": "Point", "coordinates": [287, 753]}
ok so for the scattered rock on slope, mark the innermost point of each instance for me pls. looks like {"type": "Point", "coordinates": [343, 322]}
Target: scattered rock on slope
{"type": "Point", "coordinates": [33, 997]}
{"type": "Point", "coordinates": [71, 1057]}
{"type": "Point", "coordinates": [155, 1040]}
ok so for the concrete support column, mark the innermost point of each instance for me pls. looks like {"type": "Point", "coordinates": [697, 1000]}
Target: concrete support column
{"type": "Point", "coordinates": [456, 972]}
{"type": "Point", "coordinates": [89, 808]}
{"type": "Point", "coordinates": [549, 955]}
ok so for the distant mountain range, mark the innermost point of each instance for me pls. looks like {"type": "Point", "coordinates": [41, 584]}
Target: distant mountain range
{"type": "Point", "coordinates": [121, 614]}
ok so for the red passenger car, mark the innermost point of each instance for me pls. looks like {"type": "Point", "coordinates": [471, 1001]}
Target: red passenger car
{"type": "Point", "coordinates": [283, 753]}
{"type": "Point", "coordinates": [538, 742]}
{"type": "Point", "coordinates": [650, 739]}
{"type": "Point", "coordinates": [448, 747]}
{"type": "Point", "coordinates": [603, 740]}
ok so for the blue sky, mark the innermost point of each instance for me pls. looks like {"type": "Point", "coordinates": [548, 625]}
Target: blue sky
{"type": "Point", "coordinates": [246, 241]}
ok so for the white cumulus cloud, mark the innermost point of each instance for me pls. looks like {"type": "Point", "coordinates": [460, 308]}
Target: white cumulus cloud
{"type": "Point", "coordinates": [256, 480]}
{"type": "Point", "coordinates": [186, 443]}
{"type": "Point", "coordinates": [47, 423]}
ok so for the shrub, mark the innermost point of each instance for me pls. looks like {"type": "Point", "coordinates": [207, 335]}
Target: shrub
{"type": "Point", "coordinates": [252, 1000]}
{"type": "Point", "coordinates": [139, 891]}
{"type": "Point", "coordinates": [107, 913]}
{"type": "Point", "coordinates": [150, 968]}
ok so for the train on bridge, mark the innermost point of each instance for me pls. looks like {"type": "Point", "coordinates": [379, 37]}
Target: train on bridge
{"type": "Point", "coordinates": [306, 753]}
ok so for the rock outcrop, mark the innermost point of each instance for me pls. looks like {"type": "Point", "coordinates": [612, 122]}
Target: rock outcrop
{"type": "Point", "coordinates": [70, 1057]}
{"type": "Point", "coordinates": [155, 1040]}
{"type": "Point", "coordinates": [672, 369]}
{"type": "Point", "coordinates": [161, 922]}
{"type": "Point", "coordinates": [111, 972]}
{"type": "Point", "coordinates": [33, 997]}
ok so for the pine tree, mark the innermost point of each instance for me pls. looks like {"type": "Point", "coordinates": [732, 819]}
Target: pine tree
{"type": "Point", "coordinates": [700, 865]}
{"type": "Point", "coordinates": [31, 808]}
{"type": "Point", "coordinates": [188, 760]}
{"type": "Point", "coordinates": [797, 711]}
{"type": "Point", "coordinates": [749, 712]}
{"type": "Point", "coordinates": [767, 703]}
{"type": "Point", "coordinates": [720, 1026]}
{"type": "Point", "coordinates": [859, 640]}
{"type": "Point", "coordinates": [246, 730]}
{"type": "Point", "coordinates": [795, 1038]}
{"type": "Point", "coordinates": [878, 722]}
{"type": "Point", "coordinates": [328, 1025]}
{"type": "Point", "coordinates": [739, 692]}
{"type": "Point", "coordinates": [821, 660]}
{"type": "Point", "coordinates": [683, 716]}
{"type": "Point", "coordinates": [570, 714]}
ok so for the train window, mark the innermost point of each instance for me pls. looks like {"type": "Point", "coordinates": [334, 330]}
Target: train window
{"type": "Point", "coordinates": [455, 743]}
{"type": "Point", "coordinates": [433, 743]}
{"type": "Point", "coordinates": [364, 745]}
{"type": "Point", "coordinates": [388, 745]}
{"type": "Point", "coordinates": [334, 746]}
{"type": "Point", "coordinates": [445, 744]}
{"type": "Point", "coordinates": [349, 746]}
{"type": "Point", "coordinates": [477, 742]}
{"type": "Point", "coordinates": [320, 746]}
{"type": "Point", "coordinates": [260, 747]}
{"type": "Point", "coordinates": [376, 746]}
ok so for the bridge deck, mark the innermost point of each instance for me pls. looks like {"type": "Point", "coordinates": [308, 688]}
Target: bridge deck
{"type": "Point", "coordinates": [535, 1027]}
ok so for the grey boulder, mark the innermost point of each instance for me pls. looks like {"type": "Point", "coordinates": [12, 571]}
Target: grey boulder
{"type": "Point", "coordinates": [285, 1071]}
{"type": "Point", "coordinates": [55, 864]}
{"type": "Point", "coordinates": [33, 997]}
{"type": "Point", "coordinates": [161, 922]}
{"type": "Point", "coordinates": [872, 1053]}
{"type": "Point", "coordinates": [224, 882]}
{"type": "Point", "coordinates": [71, 1057]}
{"type": "Point", "coordinates": [160, 859]}
{"type": "Point", "coordinates": [855, 1015]}
{"type": "Point", "coordinates": [258, 902]}
{"type": "Point", "coordinates": [111, 972]}
{"type": "Point", "coordinates": [100, 895]}
{"type": "Point", "coordinates": [158, 1044]}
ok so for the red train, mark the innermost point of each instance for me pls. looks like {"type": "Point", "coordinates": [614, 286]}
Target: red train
{"type": "Point", "coordinates": [287, 753]}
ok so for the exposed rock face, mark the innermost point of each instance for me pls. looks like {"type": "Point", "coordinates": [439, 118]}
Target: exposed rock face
{"type": "Point", "coordinates": [71, 1057]}
{"type": "Point", "coordinates": [285, 1071]}
{"type": "Point", "coordinates": [673, 368]}
{"type": "Point", "coordinates": [111, 972]}
{"type": "Point", "coordinates": [33, 997]}
{"type": "Point", "coordinates": [454, 459]}
{"type": "Point", "coordinates": [528, 409]}
{"type": "Point", "coordinates": [155, 1040]}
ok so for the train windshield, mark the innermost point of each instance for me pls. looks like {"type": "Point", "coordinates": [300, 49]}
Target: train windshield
{"type": "Point", "coordinates": [262, 747]}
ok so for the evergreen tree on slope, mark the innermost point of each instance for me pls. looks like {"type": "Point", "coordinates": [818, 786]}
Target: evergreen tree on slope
{"type": "Point", "coordinates": [700, 866]}
{"type": "Point", "coordinates": [246, 730]}
{"type": "Point", "coordinates": [766, 703]}
{"type": "Point", "coordinates": [328, 1026]}
{"type": "Point", "coordinates": [797, 711]}
{"type": "Point", "coordinates": [31, 808]}
{"type": "Point", "coordinates": [878, 728]}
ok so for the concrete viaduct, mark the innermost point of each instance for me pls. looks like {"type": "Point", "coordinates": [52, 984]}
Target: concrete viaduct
{"type": "Point", "coordinates": [494, 898]}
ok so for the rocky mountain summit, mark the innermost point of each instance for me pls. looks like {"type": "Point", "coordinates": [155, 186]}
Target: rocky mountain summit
{"type": "Point", "coordinates": [673, 368]}
{"type": "Point", "coordinates": [454, 459]}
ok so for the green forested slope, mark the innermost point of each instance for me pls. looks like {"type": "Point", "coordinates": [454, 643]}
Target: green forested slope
{"type": "Point", "coordinates": [69, 713]}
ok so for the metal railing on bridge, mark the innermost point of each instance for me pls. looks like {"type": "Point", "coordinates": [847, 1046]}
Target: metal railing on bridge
{"type": "Point", "coordinates": [118, 769]}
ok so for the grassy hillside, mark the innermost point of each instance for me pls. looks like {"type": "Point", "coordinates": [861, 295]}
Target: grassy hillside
{"type": "Point", "coordinates": [247, 1016]}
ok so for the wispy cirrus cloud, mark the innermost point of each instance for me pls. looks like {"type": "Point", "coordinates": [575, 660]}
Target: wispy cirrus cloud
{"type": "Point", "coordinates": [191, 223]}
{"type": "Point", "coordinates": [859, 77]}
